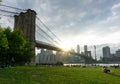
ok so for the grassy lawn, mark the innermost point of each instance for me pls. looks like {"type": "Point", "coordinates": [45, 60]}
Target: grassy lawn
{"type": "Point", "coordinates": [57, 75]}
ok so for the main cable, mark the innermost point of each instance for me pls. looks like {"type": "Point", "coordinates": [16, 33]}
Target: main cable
{"type": "Point", "coordinates": [46, 34]}
{"type": "Point", "coordinates": [48, 28]}
{"type": "Point", "coordinates": [9, 11]}
{"type": "Point", "coordinates": [12, 7]}
{"type": "Point", "coordinates": [44, 37]}
{"type": "Point", "coordinates": [7, 15]}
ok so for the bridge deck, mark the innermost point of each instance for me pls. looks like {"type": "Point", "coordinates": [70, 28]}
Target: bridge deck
{"type": "Point", "coordinates": [41, 44]}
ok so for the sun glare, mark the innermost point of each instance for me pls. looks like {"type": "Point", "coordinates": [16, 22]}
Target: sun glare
{"type": "Point", "coordinates": [66, 46]}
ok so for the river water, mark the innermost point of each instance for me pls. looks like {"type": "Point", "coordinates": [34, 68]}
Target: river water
{"type": "Point", "coordinates": [95, 64]}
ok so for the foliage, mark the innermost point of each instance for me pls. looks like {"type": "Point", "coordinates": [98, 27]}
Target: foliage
{"type": "Point", "coordinates": [3, 46]}
{"type": "Point", "coordinates": [16, 44]}
{"type": "Point", "coordinates": [27, 52]}
{"type": "Point", "coordinates": [59, 63]}
{"type": "Point", "coordinates": [3, 39]}
{"type": "Point", "coordinates": [57, 75]}
{"type": "Point", "coordinates": [16, 47]}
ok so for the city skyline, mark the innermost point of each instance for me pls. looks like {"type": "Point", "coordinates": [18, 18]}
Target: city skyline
{"type": "Point", "coordinates": [83, 22]}
{"type": "Point", "coordinates": [99, 51]}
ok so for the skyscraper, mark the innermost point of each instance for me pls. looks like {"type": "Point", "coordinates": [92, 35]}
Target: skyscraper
{"type": "Point", "coordinates": [89, 53]}
{"type": "Point", "coordinates": [85, 50]}
{"type": "Point", "coordinates": [106, 52]}
{"type": "Point", "coordinates": [78, 49]}
{"type": "Point", "coordinates": [118, 53]}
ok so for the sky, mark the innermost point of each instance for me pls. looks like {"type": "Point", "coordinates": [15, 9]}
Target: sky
{"type": "Point", "coordinates": [83, 22]}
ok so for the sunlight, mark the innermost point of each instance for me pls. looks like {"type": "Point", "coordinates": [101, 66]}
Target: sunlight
{"type": "Point", "coordinates": [66, 45]}
{"type": "Point", "coordinates": [71, 42]}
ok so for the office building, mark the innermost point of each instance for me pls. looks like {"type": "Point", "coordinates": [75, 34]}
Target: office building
{"type": "Point", "coordinates": [118, 53]}
{"type": "Point", "coordinates": [78, 49]}
{"type": "Point", "coordinates": [85, 50]}
{"type": "Point", "coordinates": [106, 52]}
{"type": "Point", "coordinates": [46, 57]}
{"type": "Point", "coordinates": [89, 53]}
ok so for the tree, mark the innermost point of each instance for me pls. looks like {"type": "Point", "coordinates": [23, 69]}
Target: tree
{"type": "Point", "coordinates": [14, 47]}
{"type": "Point", "coordinates": [19, 47]}
{"type": "Point", "coordinates": [8, 32]}
{"type": "Point", "coordinates": [17, 44]}
{"type": "Point", "coordinates": [59, 63]}
{"type": "Point", "coordinates": [3, 39]}
{"type": "Point", "coordinates": [28, 54]}
{"type": "Point", "coordinates": [3, 46]}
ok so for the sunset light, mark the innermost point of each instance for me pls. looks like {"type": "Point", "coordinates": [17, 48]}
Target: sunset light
{"type": "Point", "coordinates": [59, 41]}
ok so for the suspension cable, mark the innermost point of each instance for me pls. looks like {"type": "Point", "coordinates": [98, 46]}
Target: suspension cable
{"type": "Point", "coordinates": [6, 15]}
{"type": "Point", "coordinates": [48, 29]}
{"type": "Point", "coordinates": [9, 11]}
{"type": "Point", "coordinates": [12, 7]}
{"type": "Point", "coordinates": [43, 36]}
{"type": "Point", "coordinates": [46, 34]}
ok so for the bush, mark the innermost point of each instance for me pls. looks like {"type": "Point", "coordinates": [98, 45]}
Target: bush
{"type": "Point", "coordinates": [59, 63]}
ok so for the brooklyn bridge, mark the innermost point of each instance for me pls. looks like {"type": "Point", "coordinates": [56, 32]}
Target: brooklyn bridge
{"type": "Point", "coordinates": [26, 21]}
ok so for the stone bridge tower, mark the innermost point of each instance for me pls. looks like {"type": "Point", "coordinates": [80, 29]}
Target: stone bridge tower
{"type": "Point", "coordinates": [25, 21]}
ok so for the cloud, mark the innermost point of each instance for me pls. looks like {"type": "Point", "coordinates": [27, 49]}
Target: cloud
{"type": "Point", "coordinates": [68, 19]}
{"type": "Point", "coordinates": [116, 6]}
{"type": "Point", "coordinates": [90, 22]}
{"type": "Point", "coordinates": [87, 1]}
{"type": "Point", "coordinates": [8, 22]}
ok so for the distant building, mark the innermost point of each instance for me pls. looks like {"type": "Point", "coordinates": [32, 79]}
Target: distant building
{"type": "Point", "coordinates": [82, 53]}
{"type": "Point", "coordinates": [78, 49]}
{"type": "Point", "coordinates": [45, 57]}
{"type": "Point", "coordinates": [85, 50]}
{"type": "Point", "coordinates": [89, 53]}
{"type": "Point", "coordinates": [113, 55]}
{"type": "Point", "coordinates": [110, 58]}
{"type": "Point", "coordinates": [48, 57]}
{"type": "Point", "coordinates": [72, 50]}
{"type": "Point", "coordinates": [63, 57]}
{"type": "Point", "coordinates": [118, 53]}
{"type": "Point", "coordinates": [41, 56]}
{"type": "Point", "coordinates": [106, 52]}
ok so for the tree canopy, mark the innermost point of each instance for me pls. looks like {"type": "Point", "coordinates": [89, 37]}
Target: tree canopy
{"type": "Point", "coordinates": [14, 47]}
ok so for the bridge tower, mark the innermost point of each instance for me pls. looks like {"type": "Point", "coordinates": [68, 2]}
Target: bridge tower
{"type": "Point", "coordinates": [25, 21]}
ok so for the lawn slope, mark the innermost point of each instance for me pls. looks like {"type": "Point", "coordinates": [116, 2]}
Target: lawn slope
{"type": "Point", "coordinates": [57, 75]}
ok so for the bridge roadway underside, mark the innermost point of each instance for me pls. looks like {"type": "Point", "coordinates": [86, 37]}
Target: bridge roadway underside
{"type": "Point", "coordinates": [44, 45]}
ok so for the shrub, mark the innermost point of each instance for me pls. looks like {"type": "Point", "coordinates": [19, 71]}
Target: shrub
{"type": "Point", "coordinates": [59, 63]}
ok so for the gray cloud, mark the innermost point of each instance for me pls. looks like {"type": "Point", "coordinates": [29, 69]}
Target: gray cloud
{"type": "Point", "coordinates": [72, 18]}
{"type": "Point", "coordinates": [76, 20]}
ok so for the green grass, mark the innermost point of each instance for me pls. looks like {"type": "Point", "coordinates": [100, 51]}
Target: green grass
{"type": "Point", "coordinates": [57, 75]}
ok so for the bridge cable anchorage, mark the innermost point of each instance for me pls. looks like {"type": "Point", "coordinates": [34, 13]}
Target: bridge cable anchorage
{"type": "Point", "coordinates": [9, 11]}
{"type": "Point", "coordinates": [48, 28]}
{"type": "Point", "coordinates": [44, 37]}
{"type": "Point", "coordinates": [47, 34]}
{"type": "Point", "coordinates": [12, 7]}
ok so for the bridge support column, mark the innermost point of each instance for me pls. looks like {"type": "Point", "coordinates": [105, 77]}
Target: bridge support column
{"type": "Point", "coordinates": [26, 23]}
